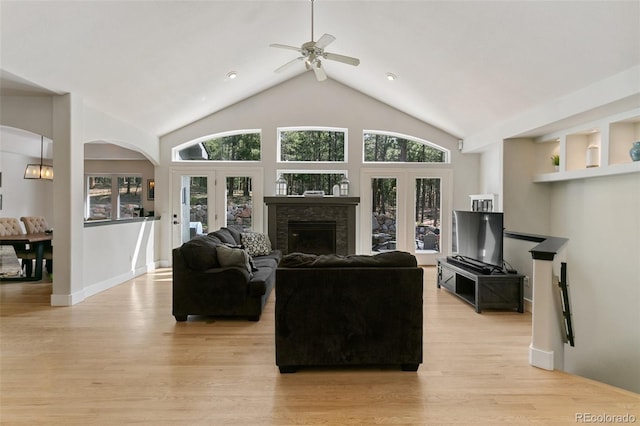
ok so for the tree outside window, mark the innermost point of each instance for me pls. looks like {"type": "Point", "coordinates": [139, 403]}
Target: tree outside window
{"type": "Point", "coordinates": [387, 147]}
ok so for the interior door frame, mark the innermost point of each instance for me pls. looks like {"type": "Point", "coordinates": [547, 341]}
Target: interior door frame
{"type": "Point", "coordinates": [406, 205]}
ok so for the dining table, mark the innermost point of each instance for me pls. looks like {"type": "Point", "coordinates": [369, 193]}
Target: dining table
{"type": "Point", "coordinates": [37, 241]}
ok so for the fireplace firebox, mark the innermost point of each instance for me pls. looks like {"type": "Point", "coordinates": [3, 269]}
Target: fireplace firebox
{"type": "Point", "coordinates": [313, 237]}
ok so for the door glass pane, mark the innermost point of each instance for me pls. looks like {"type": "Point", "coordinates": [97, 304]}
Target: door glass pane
{"type": "Point", "coordinates": [198, 206]}
{"type": "Point", "coordinates": [239, 201]}
{"type": "Point", "coordinates": [427, 215]}
{"type": "Point", "coordinates": [383, 220]}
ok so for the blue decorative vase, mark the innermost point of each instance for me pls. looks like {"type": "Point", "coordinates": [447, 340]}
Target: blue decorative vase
{"type": "Point", "coordinates": [635, 151]}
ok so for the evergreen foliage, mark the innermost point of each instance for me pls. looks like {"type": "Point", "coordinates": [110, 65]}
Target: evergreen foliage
{"type": "Point", "coordinates": [388, 148]}
{"type": "Point", "coordinates": [312, 145]}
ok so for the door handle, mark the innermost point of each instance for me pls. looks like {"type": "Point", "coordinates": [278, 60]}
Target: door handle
{"type": "Point", "coordinates": [175, 222]}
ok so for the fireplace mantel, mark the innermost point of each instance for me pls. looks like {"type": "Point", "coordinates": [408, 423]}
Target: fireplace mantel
{"type": "Point", "coordinates": [342, 210]}
{"type": "Point", "coordinates": [307, 201]}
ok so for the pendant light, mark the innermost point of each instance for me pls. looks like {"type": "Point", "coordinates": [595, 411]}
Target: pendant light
{"type": "Point", "coordinates": [39, 171]}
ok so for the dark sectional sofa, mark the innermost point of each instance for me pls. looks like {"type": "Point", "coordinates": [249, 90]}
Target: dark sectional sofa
{"type": "Point", "coordinates": [348, 311]}
{"type": "Point", "coordinates": [215, 275]}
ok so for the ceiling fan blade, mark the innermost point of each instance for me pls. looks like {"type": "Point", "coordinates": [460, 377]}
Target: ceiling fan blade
{"type": "Point", "coordinates": [284, 46]}
{"type": "Point", "coordinates": [341, 58]}
{"type": "Point", "coordinates": [319, 72]}
{"type": "Point", "coordinates": [324, 41]}
{"type": "Point", "coordinates": [288, 64]}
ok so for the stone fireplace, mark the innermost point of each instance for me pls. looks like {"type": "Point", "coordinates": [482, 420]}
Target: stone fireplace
{"type": "Point", "coordinates": [322, 224]}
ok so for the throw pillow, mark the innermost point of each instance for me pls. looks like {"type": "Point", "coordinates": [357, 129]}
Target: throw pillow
{"type": "Point", "coordinates": [234, 257]}
{"type": "Point", "coordinates": [256, 244]}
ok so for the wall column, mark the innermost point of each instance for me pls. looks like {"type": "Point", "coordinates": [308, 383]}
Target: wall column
{"type": "Point", "coordinates": [544, 317]}
{"type": "Point", "coordinates": [547, 342]}
{"type": "Point", "coordinates": [68, 190]}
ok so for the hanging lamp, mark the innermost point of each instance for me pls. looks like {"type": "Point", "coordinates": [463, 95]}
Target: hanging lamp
{"type": "Point", "coordinates": [39, 171]}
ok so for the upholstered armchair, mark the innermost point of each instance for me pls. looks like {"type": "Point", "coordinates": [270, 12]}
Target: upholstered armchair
{"type": "Point", "coordinates": [11, 226]}
{"type": "Point", "coordinates": [35, 225]}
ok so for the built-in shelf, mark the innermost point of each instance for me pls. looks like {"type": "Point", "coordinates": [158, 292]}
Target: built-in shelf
{"type": "Point", "coordinates": [593, 150]}
{"type": "Point", "coordinates": [615, 169]}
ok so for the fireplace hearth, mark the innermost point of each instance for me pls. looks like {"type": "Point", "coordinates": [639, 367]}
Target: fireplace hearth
{"type": "Point", "coordinates": [313, 237]}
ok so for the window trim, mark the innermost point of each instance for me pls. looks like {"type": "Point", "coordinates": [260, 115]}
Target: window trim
{"type": "Point", "coordinates": [115, 194]}
{"type": "Point", "coordinates": [175, 151]}
{"type": "Point", "coordinates": [447, 152]}
{"type": "Point", "coordinates": [311, 128]}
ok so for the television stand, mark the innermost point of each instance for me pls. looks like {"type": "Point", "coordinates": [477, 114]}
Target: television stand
{"type": "Point", "coordinates": [481, 290]}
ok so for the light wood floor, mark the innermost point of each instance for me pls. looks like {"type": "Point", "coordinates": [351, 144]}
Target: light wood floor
{"type": "Point", "coordinates": [120, 358]}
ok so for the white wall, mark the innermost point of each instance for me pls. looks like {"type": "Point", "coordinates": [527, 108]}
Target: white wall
{"type": "Point", "coordinates": [600, 216]}
{"type": "Point", "coordinates": [302, 101]}
{"type": "Point", "coordinates": [491, 178]}
{"type": "Point", "coordinates": [32, 113]}
{"type": "Point", "coordinates": [102, 127]}
{"type": "Point", "coordinates": [76, 124]}
{"type": "Point", "coordinates": [118, 252]}
{"type": "Point", "coordinates": [23, 197]}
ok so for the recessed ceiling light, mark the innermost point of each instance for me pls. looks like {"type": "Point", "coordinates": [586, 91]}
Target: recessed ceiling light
{"type": "Point", "coordinates": [391, 76]}
{"type": "Point", "coordinates": [231, 75]}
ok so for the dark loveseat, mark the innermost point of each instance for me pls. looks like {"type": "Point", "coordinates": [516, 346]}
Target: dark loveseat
{"type": "Point", "coordinates": [225, 273]}
{"type": "Point", "coordinates": [348, 310]}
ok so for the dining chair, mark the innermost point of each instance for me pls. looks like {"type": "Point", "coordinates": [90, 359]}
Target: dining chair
{"type": "Point", "coordinates": [11, 226]}
{"type": "Point", "coordinates": [36, 225]}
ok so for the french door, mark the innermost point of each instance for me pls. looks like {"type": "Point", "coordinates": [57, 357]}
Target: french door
{"type": "Point", "coordinates": [206, 200]}
{"type": "Point", "coordinates": [408, 210]}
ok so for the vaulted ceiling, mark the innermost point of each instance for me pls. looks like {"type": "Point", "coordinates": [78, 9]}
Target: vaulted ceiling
{"type": "Point", "coordinates": [463, 66]}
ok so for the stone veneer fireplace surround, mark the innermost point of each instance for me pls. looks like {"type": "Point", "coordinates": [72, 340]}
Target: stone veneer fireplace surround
{"type": "Point", "coordinates": [342, 210]}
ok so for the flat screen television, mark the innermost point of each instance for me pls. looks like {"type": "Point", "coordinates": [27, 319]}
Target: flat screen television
{"type": "Point", "coordinates": [478, 236]}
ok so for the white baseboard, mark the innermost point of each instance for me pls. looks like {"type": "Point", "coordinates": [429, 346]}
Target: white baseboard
{"type": "Point", "coordinates": [541, 359]}
{"type": "Point", "coordinates": [99, 287]}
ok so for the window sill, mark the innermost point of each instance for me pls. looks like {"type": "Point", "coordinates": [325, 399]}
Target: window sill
{"type": "Point", "coordinates": [103, 222]}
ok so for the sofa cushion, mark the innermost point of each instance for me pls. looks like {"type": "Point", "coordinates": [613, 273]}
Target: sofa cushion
{"type": "Point", "coordinates": [257, 244]}
{"type": "Point", "coordinates": [200, 253]}
{"type": "Point", "coordinates": [236, 232]}
{"type": "Point", "coordinates": [225, 236]}
{"type": "Point", "coordinates": [214, 238]}
{"type": "Point", "coordinates": [234, 257]}
{"type": "Point", "coordinates": [380, 260]}
{"type": "Point", "coordinates": [265, 262]}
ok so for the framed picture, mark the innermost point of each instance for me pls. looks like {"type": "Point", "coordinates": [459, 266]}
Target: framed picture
{"type": "Point", "coordinates": [151, 189]}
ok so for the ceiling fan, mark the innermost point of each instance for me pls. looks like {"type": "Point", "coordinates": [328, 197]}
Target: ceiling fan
{"type": "Point", "coordinates": [313, 52]}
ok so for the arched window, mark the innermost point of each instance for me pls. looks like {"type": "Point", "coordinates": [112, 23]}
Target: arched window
{"type": "Point", "coordinates": [241, 145]}
{"type": "Point", "coordinates": [316, 144]}
{"type": "Point", "coordinates": [385, 147]}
